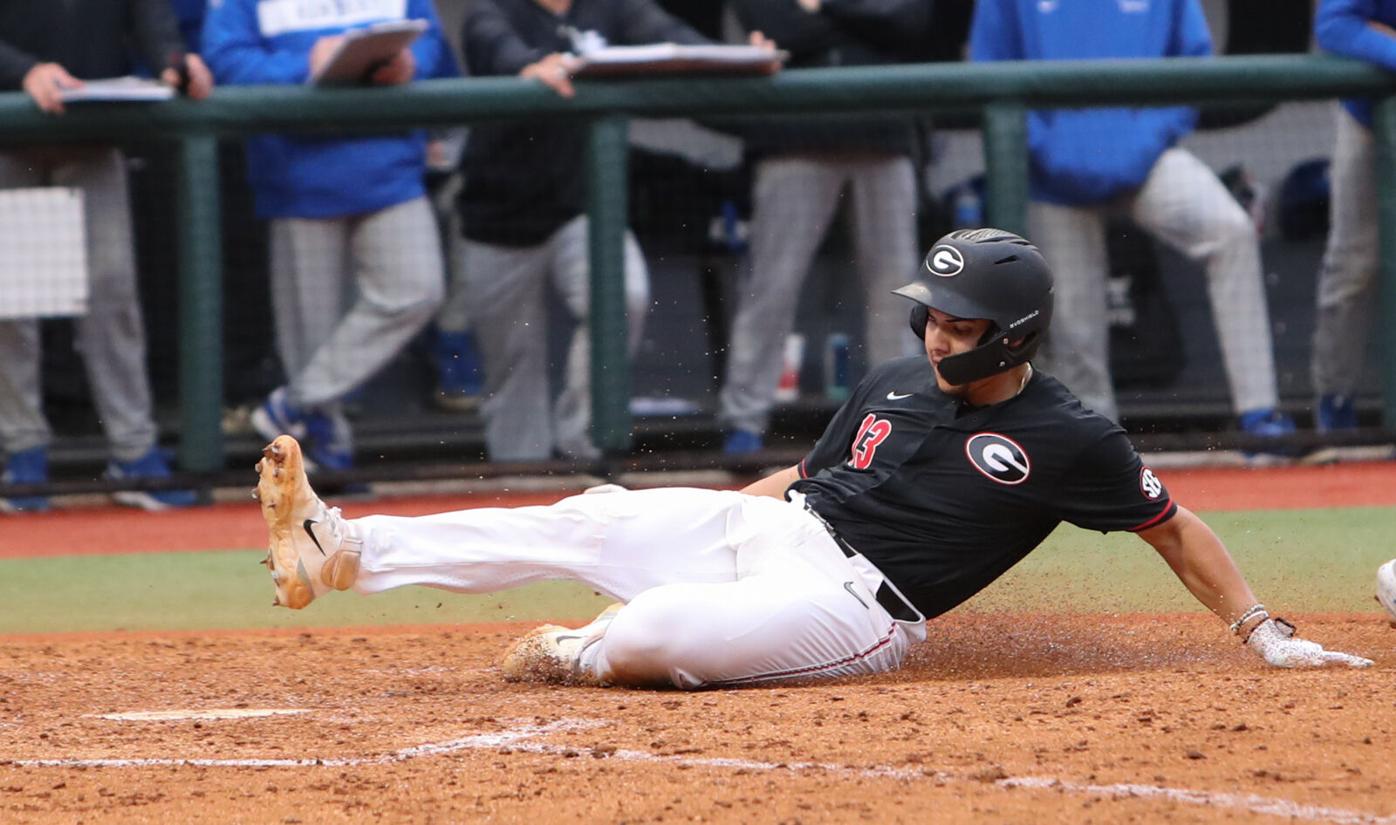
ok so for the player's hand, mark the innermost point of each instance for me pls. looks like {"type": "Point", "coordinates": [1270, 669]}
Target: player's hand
{"type": "Point", "coordinates": [396, 72]}
{"type": "Point", "coordinates": [553, 71]}
{"type": "Point", "coordinates": [321, 51]}
{"type": "Point", "coordinates": [1274, 641]}
{"type": "Point", "coordinates": [44, 82]}
{"type": "Point", "coordinates": [196, 81]}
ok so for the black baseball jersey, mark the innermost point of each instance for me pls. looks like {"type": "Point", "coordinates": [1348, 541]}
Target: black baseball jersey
{"type": "Point", "coordinates": [944, 497]}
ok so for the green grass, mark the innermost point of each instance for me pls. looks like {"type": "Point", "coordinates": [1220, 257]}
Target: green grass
{"type": "Point", "coordinates": [1296, 560]}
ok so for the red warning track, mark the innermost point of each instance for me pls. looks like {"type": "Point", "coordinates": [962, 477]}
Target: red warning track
{"type": "Point", "coordinates": [111, 530]}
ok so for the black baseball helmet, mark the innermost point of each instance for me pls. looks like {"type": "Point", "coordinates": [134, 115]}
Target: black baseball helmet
{"type": "Point", "coordinates": [985, 273]}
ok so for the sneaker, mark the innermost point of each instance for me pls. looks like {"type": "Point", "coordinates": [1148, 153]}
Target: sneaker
{"type": "Point", "coordinates": [313, 550]}
{"type": "Point", "coordinates": [278, 416]}
{"type": "Point", "coordinates": [740, 442]}
{"type": "Point", "coordinates": [459, 378]}
{"type": "Point", "coordinates": [153, 464]}
{"type": "Point", "coordinates": [25, 467]}
{"type": "Point", "coordinates": [1335, 412]}
{"type": "Point", "coordinates": [553, 653]}
{"type": "Point", "coordinates": [1269, 423]}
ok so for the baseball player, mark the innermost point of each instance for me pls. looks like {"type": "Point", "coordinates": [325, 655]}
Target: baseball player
{"type": "Point", "coordinates": [938, 474]}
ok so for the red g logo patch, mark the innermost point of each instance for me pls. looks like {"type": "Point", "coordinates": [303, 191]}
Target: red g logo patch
{"type": "Point", "coordinates": [999, 457]}
{"type": "Point", "coordinates": [871, 433]}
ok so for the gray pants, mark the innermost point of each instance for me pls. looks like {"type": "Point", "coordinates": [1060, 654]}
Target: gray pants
{"type": "Point", "coordinates": [394, 258]}
{"type": "Point", "coordinates": [1184, 204]}
{"type": "Point", "coordinates": [111, 336]}
{"type": "Point", "coordinates": [794, 200]}
{"type": "Point", "coordinates": [505, 288]}
{"type": "Point", "coordinates": [1347, 281]}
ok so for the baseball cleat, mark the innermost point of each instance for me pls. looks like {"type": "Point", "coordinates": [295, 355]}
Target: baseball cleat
{"type": "Point", "coordinates": [553, 653]}
{"type": "Point", "coordinates": [1386, 590]}
{"type": "Point", "coordinates": [313, 549]}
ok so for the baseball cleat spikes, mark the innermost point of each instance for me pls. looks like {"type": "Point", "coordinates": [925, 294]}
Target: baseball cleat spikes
{"type": "Point", "coordinates": [553, 653]}
{"type": "Point", "coordinates": [312, 548]}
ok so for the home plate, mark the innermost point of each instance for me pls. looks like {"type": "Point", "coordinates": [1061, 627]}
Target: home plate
{"type": "Point", "coordinates": [198, 715]}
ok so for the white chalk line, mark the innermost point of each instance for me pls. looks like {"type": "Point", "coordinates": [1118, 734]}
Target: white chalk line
{"type": "Point", "coordinates": [518, 739]}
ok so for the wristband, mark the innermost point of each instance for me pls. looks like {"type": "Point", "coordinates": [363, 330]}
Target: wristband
{"type": "Point", "coordinates": [1251, 612]}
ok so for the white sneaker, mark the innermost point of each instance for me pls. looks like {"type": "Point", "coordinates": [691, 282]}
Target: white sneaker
{"type": "Point", "coordinates": [1386, 589]}
{"type": "Point", "coordinates": [553, 653]}
{"type": "Point", "coordinates": [313, 549]}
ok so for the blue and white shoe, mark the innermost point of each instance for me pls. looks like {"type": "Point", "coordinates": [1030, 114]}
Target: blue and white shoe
{"type": "Point", "coordinates": [459, 377]}
{"type": "Point", "coordinates": [277, 416]}
{"type": "Point", "coordinates": [25, 467]}
{"type": "Point", "coordinates": [315, 430]}
{"type": "Point", "coordinates": [741, 442]}
{"type": "Point", "coordinates": [152, 465]}
{"type": "Point", "coordinates": [1269, 423]}
{"type": "Point", "coordinates": [1334, 413]}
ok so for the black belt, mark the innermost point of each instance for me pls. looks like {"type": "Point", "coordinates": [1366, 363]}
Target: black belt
{"type": "Point", "coordinates": [896, 606]}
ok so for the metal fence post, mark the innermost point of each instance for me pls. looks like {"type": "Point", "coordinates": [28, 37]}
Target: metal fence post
{"type": "Point", "coordinates": [200, 305]}
{"type": "Point", "coordinates": [1384, 121]}
{"type": "Point", "coordinates": [1006, 162]}
{"type": "Point", "coordinates": [607, 209]}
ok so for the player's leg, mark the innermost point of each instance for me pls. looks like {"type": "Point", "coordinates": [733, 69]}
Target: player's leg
{"type": "Point", "coordinates": [395, 254]}
{"type": "Point", "coordinates": [111, 335]}
{"type": "Point", "coordinates": [1077, 350]}
{"type": "Point", "coordinates": [504, 289]}
{"type": "Point", "coordinates": [884, 234]}
{"type": "Point", "coordinates": [1184, 203]}
{"type": "Point", "coordinates": [571, 270]}
{"type": "Point", "coordinates": [793, 201]}
{"type": "Point", "coordinates": [1347, 280]}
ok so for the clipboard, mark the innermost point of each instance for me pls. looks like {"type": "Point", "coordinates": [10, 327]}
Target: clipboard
{"type": "Point", "coordinates": [118, 90]}
{"type": "Point", "coordinates": [363, 50]}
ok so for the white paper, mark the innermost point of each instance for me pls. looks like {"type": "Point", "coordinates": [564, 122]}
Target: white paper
{"type": "Point", "coordinates": [118, 89]}
{"type": "Point", "coordinates": [43, 253]}
{"type": "Point", "coordinates": [660, 57]}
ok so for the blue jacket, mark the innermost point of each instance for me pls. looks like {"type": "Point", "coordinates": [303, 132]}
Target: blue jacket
{"type": "Point", "coordinates": [302, 176]}
{"type": "Point", "coordinates": [1341, 27]}
{"type": "Point", "coordinates": [1081, 157]}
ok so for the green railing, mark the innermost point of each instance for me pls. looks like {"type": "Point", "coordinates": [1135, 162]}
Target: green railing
{"type": "Point", "coordinates": [1001, 93]}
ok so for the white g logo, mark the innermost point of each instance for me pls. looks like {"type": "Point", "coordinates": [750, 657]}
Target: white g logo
{"type": "Point", "coordinates": [945, 261]}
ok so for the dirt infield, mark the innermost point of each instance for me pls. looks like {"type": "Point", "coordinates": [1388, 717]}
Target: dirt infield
{"type": "Point", "coordinates": [997, 718]}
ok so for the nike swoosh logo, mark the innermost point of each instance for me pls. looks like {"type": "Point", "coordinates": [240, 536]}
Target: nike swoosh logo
{"type": "Point", "coordinates": [307, 524]}
{"type": "Point", "coordinates": [896, 396]}
{"type": "Point", "coordinates": [849, 587]}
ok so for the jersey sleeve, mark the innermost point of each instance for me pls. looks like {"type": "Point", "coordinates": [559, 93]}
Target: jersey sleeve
{"type": "Point", "coordinates": [832, 447]}
{"type": "Point", "coordinates": [1109, 488]}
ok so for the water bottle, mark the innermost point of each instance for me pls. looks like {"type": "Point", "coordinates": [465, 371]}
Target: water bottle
{"type": "Point", "coordinates": [836, 367]}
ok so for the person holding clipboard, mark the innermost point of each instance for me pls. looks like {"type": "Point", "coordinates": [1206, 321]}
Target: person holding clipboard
{"type": "Point", "coordinates": [338, 207]}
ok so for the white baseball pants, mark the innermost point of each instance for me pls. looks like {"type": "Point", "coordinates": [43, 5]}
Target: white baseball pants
{"type": "Point", "coordinates": [1348, 282]}
{"type": "Point", "coordinates": [1184, 204]}
{"type": "Point", "coordinates": [721, 588]}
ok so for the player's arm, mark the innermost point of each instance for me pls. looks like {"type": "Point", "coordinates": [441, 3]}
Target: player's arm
{"type": "Point", "coordinates": [1201, 562]}
{"type": "Point", "coordinates": [775, 484]}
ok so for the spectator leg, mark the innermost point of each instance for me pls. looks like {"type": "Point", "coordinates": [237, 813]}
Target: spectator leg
{"type": "Point", "coordinates": [884, 233]}
{"type": "Point", "coordinates": [111, 336]}
{"type": "Point", "coordinates": [1077, 350]}
{"type": "Point", "coordinates": [572, 273]}
{"type": "Point", "coordinates": [1184, 204]}
{"type": "Point", "coordinates": [793, 201]}
{"type": "Point", "coordinates": [1347, 280]}
{"type": "Point", "coordinates": [504, 290]}
{"type": "Point", "coordinates": [22, 422]}
{"type": "Point", "coordinates": [309, 270]}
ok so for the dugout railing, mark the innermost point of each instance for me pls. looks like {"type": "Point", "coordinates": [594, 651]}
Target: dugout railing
{"type": "Point", "coordinates": [999, 94]}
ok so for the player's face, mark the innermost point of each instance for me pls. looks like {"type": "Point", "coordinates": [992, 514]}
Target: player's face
{"type": "Point", "coordinates": [947, 335]}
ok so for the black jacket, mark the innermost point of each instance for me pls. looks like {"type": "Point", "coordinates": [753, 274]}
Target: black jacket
{"type": "Point", "coordinates": [89, 38]}
{"type": "Point", "coordinates": [523, 181]}
{"type": "Point", "coordinates": [842, 33]}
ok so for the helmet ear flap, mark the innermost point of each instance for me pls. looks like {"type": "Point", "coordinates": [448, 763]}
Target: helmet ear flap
{"type": "Point", "coordinates": [920, 315]}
